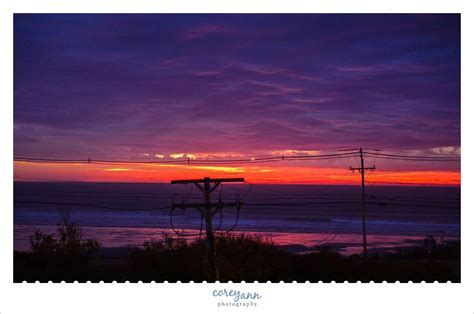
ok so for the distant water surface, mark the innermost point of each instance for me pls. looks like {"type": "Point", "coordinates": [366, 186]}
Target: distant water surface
{"type": "Point", "coordinates": [127, 214]}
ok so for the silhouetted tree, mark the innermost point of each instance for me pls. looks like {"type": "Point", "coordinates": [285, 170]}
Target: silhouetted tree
{"type": "Point", "coordinates": [70, 240]}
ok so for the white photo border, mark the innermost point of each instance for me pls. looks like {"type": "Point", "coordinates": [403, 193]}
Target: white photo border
{"type": "Point", "coordinates": [275, 297]}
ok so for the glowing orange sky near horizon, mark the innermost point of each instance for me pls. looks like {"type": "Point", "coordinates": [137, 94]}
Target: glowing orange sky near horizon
{"type": "Point", "coordinates": [265, 174]}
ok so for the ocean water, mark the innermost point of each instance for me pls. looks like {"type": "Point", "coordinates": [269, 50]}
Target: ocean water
{"type": "Point", "coordinates": [298, 217]}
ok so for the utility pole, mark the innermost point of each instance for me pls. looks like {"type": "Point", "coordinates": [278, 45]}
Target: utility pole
{"type": "Point", "coordinates": [362, 171]}
{"type": "Point", "coordinates": [210, 209]}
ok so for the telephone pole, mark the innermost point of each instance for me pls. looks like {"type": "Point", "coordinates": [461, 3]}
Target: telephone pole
{"type": "Point", "coordinates": [362, 171]}
{"type": "Point", "coordinates": [210, 209]}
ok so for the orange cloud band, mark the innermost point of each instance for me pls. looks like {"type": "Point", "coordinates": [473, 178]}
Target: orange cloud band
{"type": "Point", "coordinates": [268, 174]}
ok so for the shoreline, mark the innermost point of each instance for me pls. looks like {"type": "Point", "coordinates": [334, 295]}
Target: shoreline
{"type": "Point", "coordinates": [295, 242]}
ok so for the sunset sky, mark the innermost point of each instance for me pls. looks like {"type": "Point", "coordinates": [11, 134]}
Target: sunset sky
{"type": "Point", "coordinates": [168, 87]}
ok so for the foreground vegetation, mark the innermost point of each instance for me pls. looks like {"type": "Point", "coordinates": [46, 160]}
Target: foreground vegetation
{"type": "Point", "coordinates": [239, 257]}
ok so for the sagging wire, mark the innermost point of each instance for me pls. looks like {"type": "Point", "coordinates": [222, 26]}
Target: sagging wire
{"type": "Point", "coordinates": [237, 216]}
{"type": "Point", "coordinates": [375, 159]}
{"type": "Point", "coordinates": [183, 234]}
{"type": "Point", "coordinates": [328, 239]}
{"type": "Point", "coordinates": [239, 202]}
{"type": "Point", "coordinates": [248, 191]}
{"type": "Point", "coordinates": [220, 209]}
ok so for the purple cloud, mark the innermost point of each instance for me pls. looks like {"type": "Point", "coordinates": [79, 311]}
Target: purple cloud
{"type": "Point", "coordinates": [124, 85]}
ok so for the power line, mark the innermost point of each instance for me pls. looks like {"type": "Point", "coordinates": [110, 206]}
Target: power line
{"type": "Point", "coordinates": [411, 156]}
{"type": "Point", "coordinates": [414, 158]}
{"type": "Point", "coordinates": [96, 161]}
{"type": "Point", "coordinates": [185, 161]}
{"type": "Point", "coordinates": [331, 237]}
{"type": "Point", "coordinates": [414, 198]}
{"type": "Point", "coordinates": [349, 202]}
{"type": "Point", "coordinates": [412, 205]}
{"type": "Point", "coordinates": [98, 196]}
{"type": "Point", "coordinates": [89, 192]}
{"type": "Point", "coordinates": [299, 204]}
{"type": "Point", "coordinates": [184, 234]}
{"type": "Point", "coordinates": [414, 183]}
{"type": "Point", "coordinates": [418, 159]}
{"type": "Point", "coordinates": [88, 205]}
{"type": "Point", "coordinates": [335, 202]}
{"type": "Point", "coordinates": [269, 192]}
{"type": "Point", "coordinates": [250, 160]}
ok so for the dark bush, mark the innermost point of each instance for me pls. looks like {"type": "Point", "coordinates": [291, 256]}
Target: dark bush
{"type": "Point", "coordinates": [69, 243]}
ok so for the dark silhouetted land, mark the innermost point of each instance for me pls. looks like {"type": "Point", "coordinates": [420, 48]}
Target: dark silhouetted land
{"type": "Point", "coordinates": [239, 257]}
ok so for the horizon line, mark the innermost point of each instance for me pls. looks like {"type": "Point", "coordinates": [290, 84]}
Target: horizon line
{"type": "Point", "coordinates": [265, 183]}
